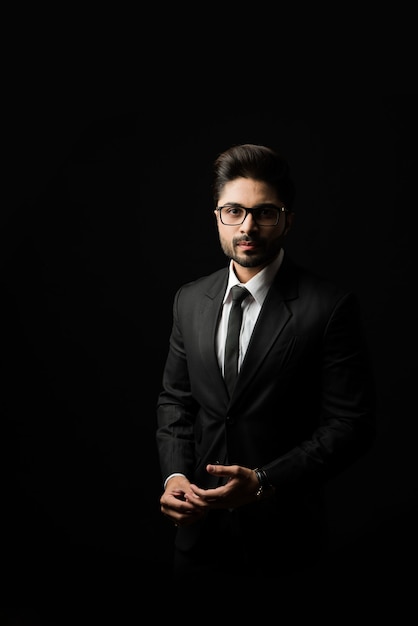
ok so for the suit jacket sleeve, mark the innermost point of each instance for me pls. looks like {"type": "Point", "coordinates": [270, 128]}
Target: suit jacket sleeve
{"type": "Point", "coordinates": [176, 408]}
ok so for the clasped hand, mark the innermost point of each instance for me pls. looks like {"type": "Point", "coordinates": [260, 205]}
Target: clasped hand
{"type": "Point", "coordinates": [185, 503]}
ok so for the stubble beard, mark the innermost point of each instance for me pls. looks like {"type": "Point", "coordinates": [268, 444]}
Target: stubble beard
{"type": "Point", "coordinates": [248, 259]}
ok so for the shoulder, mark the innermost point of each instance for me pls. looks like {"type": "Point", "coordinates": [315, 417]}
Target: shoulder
{"type": "Point", "coordinates": [293, 275]}
{"type": "Point", "coordinates": [312, 290]}
{"type": "Point", "coordinates": [209, 285]}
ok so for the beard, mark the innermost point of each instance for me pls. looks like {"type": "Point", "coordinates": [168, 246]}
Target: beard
{"type": "Point", "coordinates": [267, 251]}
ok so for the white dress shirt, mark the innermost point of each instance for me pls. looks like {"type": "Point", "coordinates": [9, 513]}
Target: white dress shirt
{"type": "Point", "coordinates": [258, 287]}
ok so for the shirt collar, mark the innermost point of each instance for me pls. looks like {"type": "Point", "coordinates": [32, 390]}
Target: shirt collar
{"type": "Point", "coordinates": [259, 285]}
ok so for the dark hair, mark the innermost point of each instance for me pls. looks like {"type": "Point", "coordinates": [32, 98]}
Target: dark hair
{"type": "Point", "coordinates": [254, 161]}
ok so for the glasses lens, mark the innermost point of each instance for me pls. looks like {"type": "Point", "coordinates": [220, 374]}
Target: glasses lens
{"type": "Point", "coordinates": [232, 215]}
{"type": "Point", "coordinates": [264, 216]}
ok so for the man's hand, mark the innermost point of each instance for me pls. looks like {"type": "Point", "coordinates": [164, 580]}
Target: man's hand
{"type": "Point", "coordinates": [175, 505]}
{"type": "Point", "coordinates": [241, 486]}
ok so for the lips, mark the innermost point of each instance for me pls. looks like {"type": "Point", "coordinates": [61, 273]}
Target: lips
{"type": "Point", "coordinates": [247, 245]}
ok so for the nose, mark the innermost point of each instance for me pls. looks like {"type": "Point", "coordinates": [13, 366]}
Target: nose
{"type": "Point", "coordinates": [249, 223]}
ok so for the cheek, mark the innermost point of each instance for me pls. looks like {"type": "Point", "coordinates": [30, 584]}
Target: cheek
{"type": "Point", "coordinates": [225, 232]}
{"type": "Point", "coordinates": [225, 237]}
{"type": "Point", "coordinates": [280, 231]}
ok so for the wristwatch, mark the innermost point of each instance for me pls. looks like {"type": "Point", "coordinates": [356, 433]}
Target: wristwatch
{"type": "Point", "coordinates": [263, 482]}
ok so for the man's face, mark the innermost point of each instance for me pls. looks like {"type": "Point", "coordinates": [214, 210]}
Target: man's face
{"type": "Point", "coordinates": [250, 245]}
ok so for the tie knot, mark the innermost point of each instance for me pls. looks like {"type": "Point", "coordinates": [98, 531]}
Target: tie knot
{"type": "Point", "coordinates": [239, 293]}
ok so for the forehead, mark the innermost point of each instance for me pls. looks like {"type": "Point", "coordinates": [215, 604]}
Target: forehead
{"type": "Point", "coordinates": [248, 192]}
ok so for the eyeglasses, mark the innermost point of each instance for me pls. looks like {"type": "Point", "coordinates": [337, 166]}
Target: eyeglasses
{"type": "Point", "coordinates": [264, 215]}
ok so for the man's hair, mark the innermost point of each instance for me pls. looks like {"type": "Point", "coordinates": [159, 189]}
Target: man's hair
{"type": "Point", "coordinates": [254, 161]}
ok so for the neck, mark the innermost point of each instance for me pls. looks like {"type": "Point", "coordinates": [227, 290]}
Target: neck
{"type": "Point", "coordinates": [244, 274]}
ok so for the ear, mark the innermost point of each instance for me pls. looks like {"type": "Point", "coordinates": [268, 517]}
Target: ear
{"type": "Point", "coordinates": [289, 222]}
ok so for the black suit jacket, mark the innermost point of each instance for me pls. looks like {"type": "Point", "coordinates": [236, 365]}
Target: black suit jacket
{"type": "Point", "coordinates": [303, 406]}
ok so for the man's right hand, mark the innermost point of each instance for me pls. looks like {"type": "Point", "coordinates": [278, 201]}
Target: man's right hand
{"type": "Point", "coordinates": [175, 505]}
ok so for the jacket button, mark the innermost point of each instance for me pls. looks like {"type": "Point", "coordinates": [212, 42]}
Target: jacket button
{"type": "Point", "coordinates": [230, 420]}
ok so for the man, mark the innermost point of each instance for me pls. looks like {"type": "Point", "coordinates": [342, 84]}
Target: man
{"type": "Point", "coordinates": [243, 466]}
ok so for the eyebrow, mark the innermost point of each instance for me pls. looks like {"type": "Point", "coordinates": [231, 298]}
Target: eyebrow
{"type": "Point", "coordinates": [257, 206]}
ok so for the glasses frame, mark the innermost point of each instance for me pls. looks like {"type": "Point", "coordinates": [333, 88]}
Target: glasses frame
{"type": "Point", "coordinates": [280, 209]}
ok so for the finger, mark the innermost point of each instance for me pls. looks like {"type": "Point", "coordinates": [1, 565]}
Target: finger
{"type": "Point", "coordinates": [220, 470]}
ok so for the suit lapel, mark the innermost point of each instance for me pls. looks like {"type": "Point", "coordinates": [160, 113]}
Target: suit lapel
{"type": "Point", "coordinates": [271, 322]}
{"type": "Point", "coordinates": [209, 313]}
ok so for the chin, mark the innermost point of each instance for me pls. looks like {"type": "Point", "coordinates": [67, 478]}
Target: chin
{"type": "Point", "coordinates": [248, 261]}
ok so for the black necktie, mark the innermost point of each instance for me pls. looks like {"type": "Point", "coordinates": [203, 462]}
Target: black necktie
{"type": "Point", "coordinates": [232, 338]}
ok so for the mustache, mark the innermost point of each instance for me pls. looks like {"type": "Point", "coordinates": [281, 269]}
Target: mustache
{"type": "Point", "coordinates": [246, 238]}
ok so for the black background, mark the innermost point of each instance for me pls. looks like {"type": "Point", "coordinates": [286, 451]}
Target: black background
{"type": "Point", "coordinates": [108, 211]}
